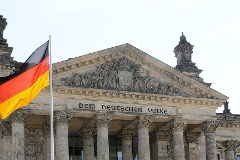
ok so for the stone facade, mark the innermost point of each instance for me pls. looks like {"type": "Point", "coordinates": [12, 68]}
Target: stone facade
{"type": "Point", "coordinates": [122, 102]}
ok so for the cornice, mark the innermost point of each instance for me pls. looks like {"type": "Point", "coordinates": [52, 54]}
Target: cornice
{"type": "Point", "coordinates": [140, 97]}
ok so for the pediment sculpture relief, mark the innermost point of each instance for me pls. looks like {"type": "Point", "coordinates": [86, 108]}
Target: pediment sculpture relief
{"type": "Point", "coordinates": [124, 75]}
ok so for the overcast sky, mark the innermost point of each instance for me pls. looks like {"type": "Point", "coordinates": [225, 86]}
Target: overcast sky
{"type": "Point", "coordinates": [78, 27]}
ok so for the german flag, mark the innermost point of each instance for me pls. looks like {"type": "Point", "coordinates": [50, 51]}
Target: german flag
{"type": "Point", "coordinates": [20, 88]}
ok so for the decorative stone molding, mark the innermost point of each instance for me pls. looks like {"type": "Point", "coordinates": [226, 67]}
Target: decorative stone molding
{"type": "Point", "coordinates": [155, 98]}
{"type": "Point", "coordinates": [103, 119]}
{"type": "Point", "coordinates": [34, 144]}
{"type": "Point", "coordinates": [18, 116]}
{"type": "Point", "coordinates": [177, 124]}
{"type": "Point", "coordinates": [143, 121]}
{"type": "Point", "coordinates": [88, 131]}
{"type": "Point", "coordinates": [210, 126]}
{"type": "Point", "coordinates": [62, 116]}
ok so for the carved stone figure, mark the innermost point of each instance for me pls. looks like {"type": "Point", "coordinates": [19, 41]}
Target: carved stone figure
{"type": "Point", "coordinates": [124, 75]}
{"type": "Point", "coordinates": [3, 24]}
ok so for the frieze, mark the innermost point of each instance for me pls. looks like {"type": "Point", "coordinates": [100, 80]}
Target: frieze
{"type": "Point", "coordinates": [124, 75]}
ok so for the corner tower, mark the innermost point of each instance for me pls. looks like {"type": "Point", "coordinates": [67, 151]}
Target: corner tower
{"type": "Point", "coordinates": [183, 53]}
{"type": "Point", "coordinates": [7, 64]}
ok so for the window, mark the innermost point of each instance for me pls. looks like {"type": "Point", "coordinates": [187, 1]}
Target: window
{"type": "Point", "coordinates": [238, 157]}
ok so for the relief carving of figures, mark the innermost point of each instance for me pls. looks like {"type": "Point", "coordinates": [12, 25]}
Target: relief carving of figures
{"type": "Point", "coordinates": [121, 74]}
{"type": "Point", "coordinates": [34, 144]}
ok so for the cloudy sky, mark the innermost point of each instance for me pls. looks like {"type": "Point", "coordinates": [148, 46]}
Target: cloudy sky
{"type": "Point", "coordinates": [78, 27]}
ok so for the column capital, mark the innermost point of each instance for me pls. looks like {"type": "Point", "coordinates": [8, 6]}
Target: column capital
{"type": "Point", "coordinates": [230, 145]}
{"type": "Point", "coordinates": [126, 134]}
{"type": "Point", "coordinates": [177, 123]}
{"type": "Point", "coordinates": [62, 116]}
{"type": "Point", "coordinates": [143, 121]}
{"type": "Point", "coordinates": [103, 119]}
{"type": "Point", "coordinates": [210, 126]}
{"type": "Point", "coordinates": [6, 128]}
{"type": "Point", "coordinates": [88, 131]}
{"type": "Point", "coordinates": [193, 136]}
{"type": "Point", "coordinates": [19, 116]}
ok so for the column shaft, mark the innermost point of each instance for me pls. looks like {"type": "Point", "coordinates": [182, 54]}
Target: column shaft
{"type": "Point", "coordinates": [62, 150]}
{"type": "Point", "coordinates": [230, 146]}
{"type": "Point", "coordinates": [102, 143]}
{"type": "Point", "coordinates": [178, 146]}
{"type": "Point", "coordinates": [177, 124]}
{"type": "Point", "coordinates": [88, 148]}
{"type": "Point", "coordinates": [18, 141]}
{"type": "Point", "coordinates": [143, 137]}
{"type": "Point", "coordinates": [209, 128]}
{"type": "Point", "coordinates": [211, 149]}
{"type": "Point", "coordinates": [229, 155]}
{"type": "Point", "coordinates": [88, 143]}
{"type": "Point", "coordinates": [18, 147]}
{"type": "Point", "coordinates": [127, 149]}
{"type": "Point", "coordinates": [102, 120]}
{"type": "Point", "coordinates": [201, 147]}
{"type": "Point", "coordinates": [143, 144]}
{"type": "Point", "coordinates": [127, 135]}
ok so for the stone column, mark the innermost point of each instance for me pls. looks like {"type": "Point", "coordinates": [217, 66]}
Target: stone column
{"type": "Point", "coordinates": [127, 135]}
{"type": "Point", "coordinates": [230, 149]}
{"type": "Point", "coordinates": [17, 119]}
{"type": "Point", "coordinates": [88, 142]}
{"type": "Point", "coordinates": [7, 140]}
{"type": "Point", "coordinates": [160, 140]}
{"type": "Point", "coordinates": [47, 144]}
{"type": "Point", "coordinates": [209, 128]}
{"type": "Point", "coordinates": [197, 147]}
{"type": "Point", "coordinates": [177, 124]}
{"type": "Point", "coordinates": [143, 137]}
{"type": "Point", "coordinates": [102, 121]}
{"type": "Point", "coordinates": [201, 147]}
{"type": "Point", "coordinates": [62, 150]}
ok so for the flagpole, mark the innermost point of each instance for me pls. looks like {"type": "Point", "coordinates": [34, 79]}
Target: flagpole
{"type": "Point", "coordinates": [51, 100]}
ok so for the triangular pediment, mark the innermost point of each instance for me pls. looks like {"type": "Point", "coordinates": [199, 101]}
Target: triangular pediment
{"type": "Point", "coordinates": [126, 68]}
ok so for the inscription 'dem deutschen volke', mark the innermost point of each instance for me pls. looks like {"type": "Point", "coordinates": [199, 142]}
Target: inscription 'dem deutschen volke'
{"type": "Point", "coordinates": [119, 108]}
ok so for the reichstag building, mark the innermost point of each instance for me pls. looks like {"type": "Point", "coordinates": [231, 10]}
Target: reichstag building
{"type": "Point", "coordinates": [121, 103]}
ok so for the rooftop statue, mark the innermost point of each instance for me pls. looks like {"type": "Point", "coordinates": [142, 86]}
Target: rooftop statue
{"type": "Point", "coordinates": [3, 24]}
